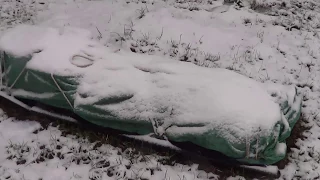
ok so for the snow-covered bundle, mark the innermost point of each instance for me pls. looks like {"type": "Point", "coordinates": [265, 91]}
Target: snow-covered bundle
{"type": "Point", "coordinates": [139, 94]}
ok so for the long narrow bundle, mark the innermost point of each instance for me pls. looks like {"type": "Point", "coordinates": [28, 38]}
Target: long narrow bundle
{"type": "Point", "coordinates": [214, 108]}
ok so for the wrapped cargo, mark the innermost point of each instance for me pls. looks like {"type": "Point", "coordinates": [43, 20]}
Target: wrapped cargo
{"type": "Point", "coordinates": [216, 109]}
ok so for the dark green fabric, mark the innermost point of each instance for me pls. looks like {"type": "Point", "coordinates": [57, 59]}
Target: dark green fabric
{"type": "Point", "coordinates": [102, 118]}
{"type": "Point", "coordinates": [41, 82]}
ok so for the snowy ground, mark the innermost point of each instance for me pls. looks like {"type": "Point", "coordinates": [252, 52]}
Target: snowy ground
{"type": "Point", "coordinates": [269, 41]}
{"type": "Point", "coordinates": [29, 151]}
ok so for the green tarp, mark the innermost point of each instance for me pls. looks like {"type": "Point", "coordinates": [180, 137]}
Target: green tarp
{"type": "Point", "coordinates": [264, 146]}
{"type": "Point", "coordinates": [36, 82]}
{"type": "Point", "coordinates": [42, 83]}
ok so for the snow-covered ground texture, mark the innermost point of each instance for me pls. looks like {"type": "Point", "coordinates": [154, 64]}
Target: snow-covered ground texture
{"type": "Point", "coordinates": [269, 41]}
{"type": "Point", "coordinates": [50, 154]}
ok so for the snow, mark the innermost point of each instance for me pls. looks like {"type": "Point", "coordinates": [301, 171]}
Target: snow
{"type": "Point", "coordinates": [59, 116]}
{"type": "Point", "coordinates": [262, 49]}
{"type": "Point", "coordinates": [148, 138]}
{"type": "Point", "coordinates": [239, 106]}
{"type": "Point", "coordinates": [21, 92]}
{"type": "Point", "coordinates": [46, 42]}
{"type": "Point", "coordinates": [281, 148]}
{"type": "Point", "coordinates": [20, 38]}
{"type": "Point", "coordinates": [36, 109]}
{"type": "Point", "coordinates": [236, 178]}
{"type": "Point", "coordinates": [179, 90]}
{"type": "Point", "coordinates": [52, 169]}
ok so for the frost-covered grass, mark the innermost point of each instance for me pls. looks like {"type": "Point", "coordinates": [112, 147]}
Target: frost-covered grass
{"type": "Point", "coordinates": [13, 12]}
{"type": "Point", "coordinates": [269, 41]}
{"type": "Point", "coordinates": [78, 152]}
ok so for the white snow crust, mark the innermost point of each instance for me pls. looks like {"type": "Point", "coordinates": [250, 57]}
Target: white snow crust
{"type": "Point", "coordinates": [52, 50]}
{"type": "Point", "coordinates": [273, 42]}
{"type": "Point", "coordinates": [157, 88]}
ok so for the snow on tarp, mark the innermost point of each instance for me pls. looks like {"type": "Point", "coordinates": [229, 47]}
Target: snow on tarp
{"type": "Point", "coordinates": [214, 108]}
{"type": "Point", "coordinates": [68, 42]}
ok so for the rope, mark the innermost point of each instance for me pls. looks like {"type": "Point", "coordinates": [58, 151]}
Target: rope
{"type": "Point", "coordinates": [1, 59]}
{"type": "Point", "coordinates": [257, 148]}
{"type": "Point", "coordinates": [82, 66]}
{"type": "Point", "coordinates": [156, 128]}
{"type": "Point", "coordinates": [5, 73]}
{"type": "Point", "coordinates": [54, 80]}
{"type": "Point", "coordinates": [14, 82]}
{"type": "Point", "coordinates": [5, 76]}
{"type": "Point", "coordinates": [247, 147]}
